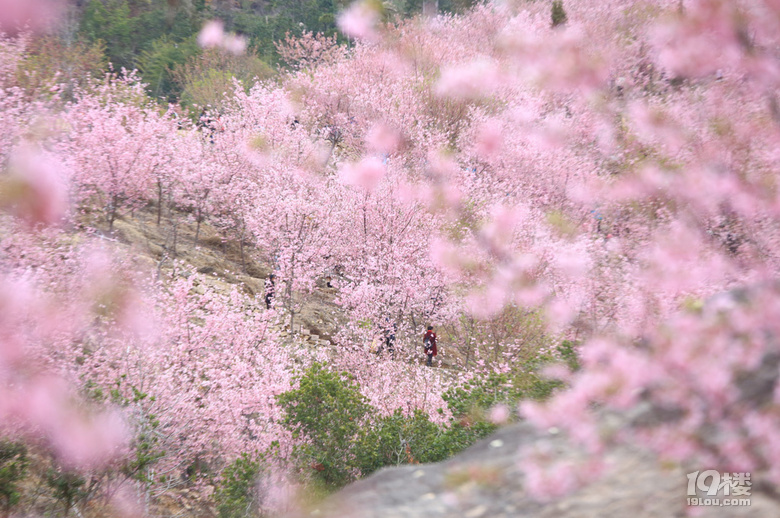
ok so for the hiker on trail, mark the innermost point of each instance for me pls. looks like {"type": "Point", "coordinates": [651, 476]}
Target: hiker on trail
{"type": "Point", "coordinates": [390, 337]}
{"type": "Point", "coordinates": [429, 344]}
{"type": "Point", "coordinates": [270, 290]}
{"type": "Point", "coordinates": [209, 123]}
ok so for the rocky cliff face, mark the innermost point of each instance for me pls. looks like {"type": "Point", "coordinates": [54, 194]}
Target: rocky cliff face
{"type": "Point", "coordinates": [485, 481]}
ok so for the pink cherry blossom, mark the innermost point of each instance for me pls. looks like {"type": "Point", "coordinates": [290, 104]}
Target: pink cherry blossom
{"type": "Point", "coordinates": [18, 15]}
{"type": "Point", "coordinates": [489, 139]}
{"type": "Point", "coordinates": [359, 21]}
{"type": "Point", "coordinates": [382, 139]}
{"type": "Point", "coordinates": [366, 174]}
{"type": "Point", "coordinates": [499, 414]}
{"type": "Point", "coordinates": [36, 190]}
{"type": "Point", "coordinates": [212, 34]}
{"type": "Point", "coordinates": [469, 80]}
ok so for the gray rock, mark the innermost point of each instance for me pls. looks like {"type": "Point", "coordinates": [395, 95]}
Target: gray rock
{"type": "Point", "coordinates": [485, 481]}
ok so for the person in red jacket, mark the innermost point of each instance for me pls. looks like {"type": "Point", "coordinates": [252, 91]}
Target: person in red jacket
{"type": "Point", "coordinates": [429, 344]}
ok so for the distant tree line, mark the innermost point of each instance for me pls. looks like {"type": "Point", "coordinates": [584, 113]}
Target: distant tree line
{"type": "Point", "coordinates": [158, 38]}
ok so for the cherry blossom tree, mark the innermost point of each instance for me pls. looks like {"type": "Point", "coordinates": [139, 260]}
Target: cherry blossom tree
{"type": "Point", "coordinates": [119, 148]}
{"type": "Point", "coordinates": [609, 181]}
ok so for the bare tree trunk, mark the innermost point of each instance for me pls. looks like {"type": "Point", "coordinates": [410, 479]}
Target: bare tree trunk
{"type": "Point", "coordinates": [289, 294]}
{"type": "Point", "coordinates": [175, 225]}
{"type": "Point", "coordinates": [241, 248]}
{"type": "Point", "coordinates": [112, 214]}
{"type": "Point", "coordinates": [468, 347]}
{"type": "Point", "coordinates": [159, 202]}
{"type": "Point", "coordinates": [163, 257]}
{"type": "Point", "coordinates": [198, 219]}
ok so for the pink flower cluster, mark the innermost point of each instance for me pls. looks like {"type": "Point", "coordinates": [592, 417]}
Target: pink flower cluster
{"type": "Point", "coordinates": [213, 35]}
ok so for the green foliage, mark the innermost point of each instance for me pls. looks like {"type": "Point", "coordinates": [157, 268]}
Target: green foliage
{"type": "Point", "coordinates": [395, 440]}
{"type": "Point", "coordinates": [569, 354]}
{"type": "Point", "coordinates": [13, 466]}
{"type": "Point", "coordinates": [67, 487]}
{"type": "Point", "coordinates": [347, 437]}
{"type": "Point", "coordinates": [274, 21]}
{"type": "Point", "coordinates": [157, 65]}
{"type": "Point", "coordinates": [328, 410]}
{"type": "Point", "coordinates": [474, 397]}
{"type": "Point", "coordinates": [236, 495]}
{"type": "Point", "coordinates": [471, 400]}
{"type": "Point", "coordinates": [460, 435]}
{"type": "Point", "coordinates": [151, 33]}
{"type": "Point", "coordinates": [400, 439]}
{"type": "Point", "coordinates": [177, 21]}
{"type": "Point", "coordinates": [515, 335]}
{"type": "Point", "coordinates": [146, 451]}
{"type": "Point", "coordinates": [413, 7]}
{"type": "Point", "coordinates": [198, 469]}
{"type": "Point", "coordinates": [157, 36]}
{"type": "Point", "coordinates": [537, 388]}
{"type": "Point", "coordinates": [457, 6]}
{"type": "Point", "coordinates": [111, 24]}
{"type": "Point", "coordinates": [145, 447]}
{"type": "Point", "coordinates": [53, 60]}
{"type": "Point", "coordinates": [206, 78]}
{"type": "Point", "coordinates": [558, 14]}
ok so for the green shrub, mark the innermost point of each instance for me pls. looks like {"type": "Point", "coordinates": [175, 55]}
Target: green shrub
{"type": "Point", "coordinates": [237, 494]}
{"type": "Point", "coordinates": [569, 355]}
{"type": "Point", "coordinates": [458, 436]}
{"type": "Point", "coordinates": [558, 14]}
{"type": "Point", "coordinates": [146, 448]}
{"type": "Point", "coordinates": [401, 439]}
{"type": "Point", "coordinates": [67, 487]}
{"type": "Point", "coordinates": [470, 401]}
{"type": "Point", "coordinates": [481, 393]}
{"type": "Point", "coordinates": [328, 410]}
{"type": "Point", "coordinates": [346, 437]}
{"type": "Point", "coordinates": [396, 439]}
{"type": "Point", "coordinates": [13, 467]}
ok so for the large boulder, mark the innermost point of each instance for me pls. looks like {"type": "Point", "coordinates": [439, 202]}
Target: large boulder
{"type": "Point", "coordinates": [486, 481]}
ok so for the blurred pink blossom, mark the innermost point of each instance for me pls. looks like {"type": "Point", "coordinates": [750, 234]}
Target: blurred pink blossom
{"type": "Point", "coordinates": [16, 296]}
{"type": "Point", "coordinates": [545, 477]}
{"type": "Point", "coordinates": [36, 190]}
{"type": "Point", "coordinates": [125, 503]}
{"type": "Point", "coordinates": [446, 255]}
{"type": "Point", "coordinates": [489, 139]}
{"type": "Point", "coordinates": [469, 81]}
{"type": "Point", "coordinates": [282, 494]}
{"type": "Point", "coordinates": [499, 414]}
{"type": "Point", "coordinates": [560, 313]}
{"type": "Point", "coordinates": [16, 15]}
{"type": "Point", "coordinates": [366, 174]}
{"type": "Point", "coordinates": [213, 35]}
{"type": "Point", "coordinates": [441, 164]}
{"type": "Point", "coordinates": [234, 44]}
{"type": "Point", "coordinates": [573, 261]}
{"type": "Point", "coordinates": [359, 21]}
{"type": "Point", "coordinates": [488, 304]}
{"type": "Point", "coordinates": [87, 442]}
{"type": "Point", "coordinates": [382, 138]}
{"type": "Point", "coordinates": [45, 404]}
